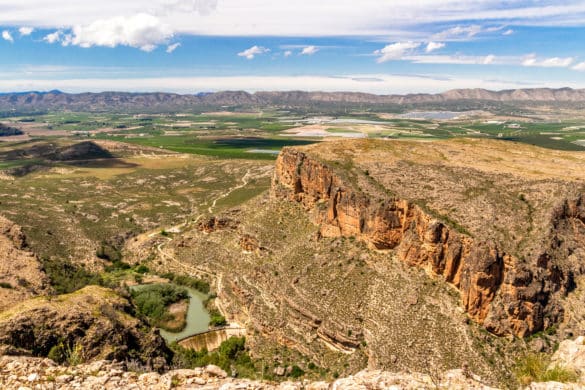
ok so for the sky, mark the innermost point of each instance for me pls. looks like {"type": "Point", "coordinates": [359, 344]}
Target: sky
{"type": "Point", "coordinates": [376, 46]}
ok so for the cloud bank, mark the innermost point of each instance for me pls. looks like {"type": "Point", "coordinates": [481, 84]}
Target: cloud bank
{"type": "Point", "coordinates": [373, 83]}
{"type": "Point", "coordinates": [279, 18]}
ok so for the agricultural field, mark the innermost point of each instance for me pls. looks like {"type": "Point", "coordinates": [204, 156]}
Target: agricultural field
{"type": "Point", "coordinates": [261, 134]}
{"type": "Point", "coordinates": [95, 178]}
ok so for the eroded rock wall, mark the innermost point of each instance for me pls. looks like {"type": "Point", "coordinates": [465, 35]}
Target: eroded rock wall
{"type": "Point", "coordinates": [506, 294]}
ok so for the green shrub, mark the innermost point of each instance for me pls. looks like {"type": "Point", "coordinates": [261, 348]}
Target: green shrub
{"type": "Point", "coordinates": [57, 353]}
{"type": "Point", "coordinates": [62, 353]}
{"type": "Point", "coordinates": [141, 269]}
{"type": "Point", "coordinates": [231, 353]}
{"type": "Point", "coordinates": [217, 319]}
{"type": "Point", "coordinates": [534, 368]}
{"type": "Point", "coordinates": [296, 372]}
{"type": "Point", "coordinates": [109, 253]}
{"type": "Point", "coordinates": [66, 277]}
{"type": "Point", "coordinates": [6, 285]}
{"type": "Point", "coordinates": [559, 374]}
{"type": "Point", "coordinates": [152, 300]}
{"type": "Point", "coordinates": [188, 281]}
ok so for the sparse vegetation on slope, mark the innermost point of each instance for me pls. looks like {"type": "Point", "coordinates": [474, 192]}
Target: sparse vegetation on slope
{"type": "Point", "coordinates": [153, 301]}
{"type": "Point", "coordinates": [231, 355]}
{"type": "Point", "coordinates": [535, 367]}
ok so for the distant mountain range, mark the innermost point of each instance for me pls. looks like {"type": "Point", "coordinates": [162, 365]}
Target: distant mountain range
{"type": "Point", "coordinates": [55, 100]}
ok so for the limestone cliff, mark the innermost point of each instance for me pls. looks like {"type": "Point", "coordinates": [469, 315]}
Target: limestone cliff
{"type": "Point", "coordinates": [511, 286]}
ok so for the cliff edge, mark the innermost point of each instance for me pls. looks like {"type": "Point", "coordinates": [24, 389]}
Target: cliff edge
{"type": "Point", "coordinates": [502, 223]}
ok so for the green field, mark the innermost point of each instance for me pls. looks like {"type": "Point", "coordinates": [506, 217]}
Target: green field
{"type": "Point", "coordinates": [235, 147]}
{"type": "Point", "coordinates": [234, 134]}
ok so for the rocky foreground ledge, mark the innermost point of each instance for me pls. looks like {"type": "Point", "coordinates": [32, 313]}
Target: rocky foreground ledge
{"type": "Point", "coordinates": [37, 373]}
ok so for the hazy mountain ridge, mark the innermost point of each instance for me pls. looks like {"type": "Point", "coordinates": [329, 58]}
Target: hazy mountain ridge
{"type": "Point", "coordinates": [127, 100]}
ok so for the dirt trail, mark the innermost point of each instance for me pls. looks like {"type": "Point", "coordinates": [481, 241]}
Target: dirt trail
{"type": "Point", "coordinates": [163, 252]}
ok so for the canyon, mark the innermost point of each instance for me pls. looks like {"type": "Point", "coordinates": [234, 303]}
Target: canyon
{"type": "Point", "coordinates": [509, 285]}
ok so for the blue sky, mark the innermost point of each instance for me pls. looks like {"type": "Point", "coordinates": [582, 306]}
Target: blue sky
{"type": "Point", "coordinates": [376, 46]}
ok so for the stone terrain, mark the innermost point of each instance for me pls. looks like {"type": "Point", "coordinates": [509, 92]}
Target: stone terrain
{"type": "Point", "coordinates": [21, 273]}
{"type": "Point", "coordinates": [30, 373]}
{"type": "Point", "coordinates": [509, 238]}
{"type": "Point", "coordinates": [89, 324]}
{"type": "Point", "coordinates": [332, 302]}
{"type": "Point", "coordinates": [36, 373]}
{"type": "Point", "coordinates": [345, 262]}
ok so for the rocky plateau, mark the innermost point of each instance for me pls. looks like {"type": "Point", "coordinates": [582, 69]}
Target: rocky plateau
{"type": "Point", "coordinates": [509, 238]}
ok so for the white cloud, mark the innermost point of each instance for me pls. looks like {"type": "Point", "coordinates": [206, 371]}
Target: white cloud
{"type": "Point", "coordinates": [459, 32]}
{"type": "Point", "coordinates": [203, 7]}
{"type": "Point", "coordinates": [432, 46]}
{"type": "Point", "coordinates": [280, 18]}
{"type": "Point", "coordinates": [552, 62]}
{"type": "Point", "coordinates": [309, 50]}
{"type": "Point", "coordinates": [7, 36]}
{"type": "Point", "coordinates": [459, 59]}
{"type": "Point", "coordinates": [25, 31]}
{"type": "Point", "coordinates": [395, 51]}
{"type": "Point", "coordinates": [173, 47]}
{"type": "Point", "coordinates": [142, 31]}
{"type": "Point", "coordinates": [508, 32]}
{"type": "Point", "coordinates": [53, 37]}
{"type": "Point", "coordinates": [287, 53]}
{"type": "Point", "coordinates": [252, 52]}
{"type": "Point", "coordinates": [489, 59]}
{"type": "Point", "coordinates": [580, 67]}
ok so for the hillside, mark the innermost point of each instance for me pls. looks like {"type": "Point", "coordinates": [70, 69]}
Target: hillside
{"type": "Point", "coordinates": [21, 272]}
{"type": "Point", "coordinates": [399, 255]}
{"type": "Point", "coordinates": [56, 100]}
{"type": "Point", "coordinates": [504, 227]}
{"type": "Point", "coordinates": [90, 324]}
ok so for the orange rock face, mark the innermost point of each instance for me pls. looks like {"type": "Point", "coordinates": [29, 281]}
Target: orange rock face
{"type": "Point", "coordinates": [505, 294]}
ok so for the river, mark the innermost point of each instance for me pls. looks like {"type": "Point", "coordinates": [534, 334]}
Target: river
{"type": "Point", "coordinates": [197, 317]}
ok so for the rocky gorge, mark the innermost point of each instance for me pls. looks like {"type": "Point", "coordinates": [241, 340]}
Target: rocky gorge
{"type": "Point", "coordinates": [507, 288]}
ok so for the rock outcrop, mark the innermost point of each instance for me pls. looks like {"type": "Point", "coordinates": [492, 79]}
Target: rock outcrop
{"type": "Point", "coordinates": [511, 286]}
{"type": "Point", "coordinates": [18, 372]}
{"type": "Point", "coordinates": [21, 273]}
{"type": "Point", "coordinates": [92, 323]}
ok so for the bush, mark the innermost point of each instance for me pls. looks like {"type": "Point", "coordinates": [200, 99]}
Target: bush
{"type": "Point", "coordinates": [217, 319]}
{"type": "Point", "coordinates": [534, 368]}
{"type": "Point", "coordinates": [231, 353]}
{"type": "Point", "coordinates": [559, 374]}
{"type": "Point", "coordinates": [188, 281]}
{"type": "Point", "coordinates": [62, 353]}
{"type": "Point", "coordinates": [296, 372]}
{"type": "Point", "coordinates": [109, 253]}
{"type": "Point", "coordinates": [141, 269]}
{"type": "Point", "coordinates": [6, 285]}
{"type": "Point", "coordinates": [66, 278]}
{"type": "Point", "coordinates": [152, 300]}
{"type": "Point", "coordinates": [57, 354]}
